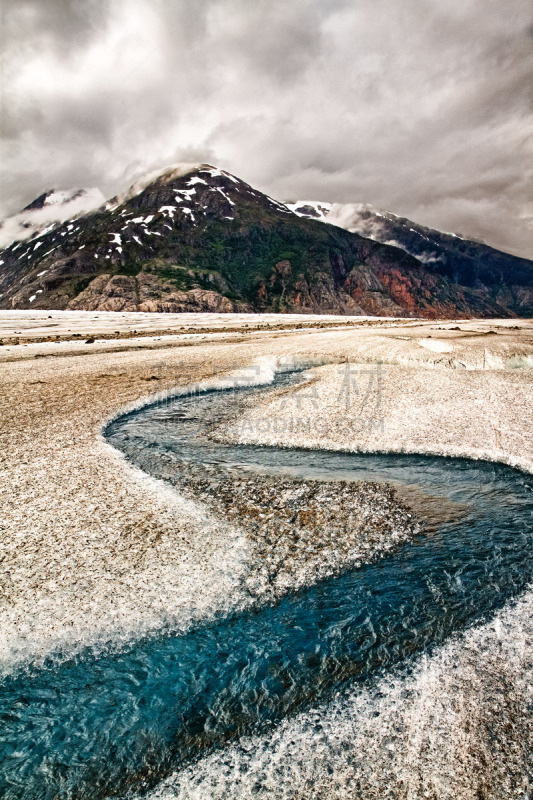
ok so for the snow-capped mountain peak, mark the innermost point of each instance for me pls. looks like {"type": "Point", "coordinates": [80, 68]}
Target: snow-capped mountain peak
{"type": "Point", "coordinates": [169, 173]}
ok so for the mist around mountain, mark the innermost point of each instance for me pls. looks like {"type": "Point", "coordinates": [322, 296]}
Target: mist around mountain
{"type": "Point", "coordinates": [196, 238]}
{"type": "Point", "coordinates": [48, 210]}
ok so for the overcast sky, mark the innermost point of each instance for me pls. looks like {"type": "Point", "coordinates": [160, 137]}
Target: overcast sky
{"type": "Point", "coordinates": [421, 107]}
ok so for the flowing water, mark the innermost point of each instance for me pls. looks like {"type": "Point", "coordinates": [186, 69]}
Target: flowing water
{"type": "Point", "coordinates": [98, 726]}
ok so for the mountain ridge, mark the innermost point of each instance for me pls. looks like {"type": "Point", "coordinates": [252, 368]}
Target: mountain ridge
{"type": "Point", "coordinates": [463, 261]}
{"type": "Point", "coordinates": [196, 238]}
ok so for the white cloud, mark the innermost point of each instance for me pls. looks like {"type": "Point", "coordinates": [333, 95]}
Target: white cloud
{"type": "Point", "coordinates": [423, 109]}
{"type": "Point", "coordinates": [58, 208]}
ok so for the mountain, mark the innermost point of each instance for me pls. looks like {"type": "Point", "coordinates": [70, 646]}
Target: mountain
{"type": "Point", "coordinates": [501, 278]}
{"type": "Point", "coordinates": [196, 238]}
{"type": "Point", "coordinates": [46, 211]}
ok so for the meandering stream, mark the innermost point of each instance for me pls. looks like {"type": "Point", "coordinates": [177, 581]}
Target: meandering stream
{"type": "Point", "coordinates": [98, 726]}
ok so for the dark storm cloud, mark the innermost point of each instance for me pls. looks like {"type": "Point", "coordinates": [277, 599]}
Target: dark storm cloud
{"type": "Point", "coordinates": [420, 108]}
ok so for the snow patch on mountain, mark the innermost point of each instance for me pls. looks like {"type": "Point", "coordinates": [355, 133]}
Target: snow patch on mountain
{"type": "Point", "coordinates": [47, 211]}
{"type": "Point", "coordinates": [310, 208]}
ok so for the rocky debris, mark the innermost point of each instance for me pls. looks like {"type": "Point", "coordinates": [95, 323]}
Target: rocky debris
{"type": "Point", "coordinates": [304, 530]}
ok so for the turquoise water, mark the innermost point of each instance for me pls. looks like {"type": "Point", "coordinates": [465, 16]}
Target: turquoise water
{"type": "Point", "coordinates": [95, 727]}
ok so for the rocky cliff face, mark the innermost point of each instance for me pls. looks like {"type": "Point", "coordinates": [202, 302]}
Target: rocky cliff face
{"type": "Point", "coordinates": [196, 238]}
{"type": "Point", "coordinates": [146, 292]}
{"type": "Point", "coordinates": [498, 277]}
